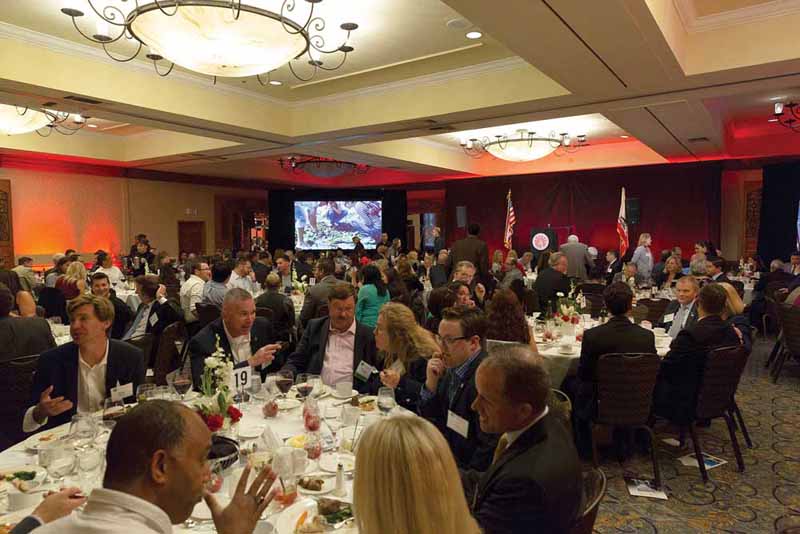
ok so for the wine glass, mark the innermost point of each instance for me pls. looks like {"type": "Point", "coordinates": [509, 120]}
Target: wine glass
{"type": "Point", "coordinates": [62, 460]}
{"type": "Point", "coordinates": [304, 389]}
{"type": "Point", "coordinates": [112, 410]}
{"type": "Point", "coordinates": [82, 430]}
{"type": "Point", "coordinates": [182, 382]}
{"type": "Point", "coordinates": [143, 392]}
{"type": "Point", "coordinates": [386, 400]}
{"type": "Point", "coordinates": [315, 381]}
{"type": "Point", "coordinates": [284, 381]}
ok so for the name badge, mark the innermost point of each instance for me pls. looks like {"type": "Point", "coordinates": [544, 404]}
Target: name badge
{"type": "Point", "coordinates": [363, 371]}
{"type": "Point", "coordinates": [457, 424]}
{"type": "Point", "coordinates": [121, 392]}
{"type": "Point", "coordinates": [153, 319]}
{"type": "Point", "coordinates": [669, 317]}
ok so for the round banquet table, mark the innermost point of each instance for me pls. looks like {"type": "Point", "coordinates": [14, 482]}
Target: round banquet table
{"type": "Point", "coordinates": [129, 297]}
{"type": "Point", "coordinates": [287, 424]}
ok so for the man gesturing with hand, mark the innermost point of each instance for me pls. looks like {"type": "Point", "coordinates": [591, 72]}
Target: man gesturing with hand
{"type": "Point", "coordinates": [450, 387]}
{"type": "Point", "coordinates": [245, 338]}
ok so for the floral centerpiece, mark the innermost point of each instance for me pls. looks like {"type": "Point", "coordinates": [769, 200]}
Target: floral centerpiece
{"type": "Point", "coordinates": [567, 309]}
{"type": "Point", "coordinates": [216, 405]}
{"type": "Point", "coordinates": [299, 284]}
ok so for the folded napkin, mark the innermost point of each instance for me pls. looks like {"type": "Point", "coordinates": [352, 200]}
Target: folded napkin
{"type": "Point", "coordinates": [269, 440]}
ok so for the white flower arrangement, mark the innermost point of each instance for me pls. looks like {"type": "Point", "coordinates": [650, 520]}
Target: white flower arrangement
{"type": "Point", "coordinates": [217, 373]}
{"type": "Point", "coordinates": [299, 284]}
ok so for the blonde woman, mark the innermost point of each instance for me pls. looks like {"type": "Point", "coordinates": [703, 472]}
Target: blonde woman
{"type": "Point", "coordinates": [734, 315]}
{"type": "Point", "coordinates": [73, 282]}
{"type": "Point", "coordinates": [406, 348]}
{"type": "Point", "coordinates": [673, 271]}
{"type": "Point", "coordinates": [643, 257]}
{"type": "Point", "coordinates": [421, 491]}
{"type": "Point", "coordinates": [497, 262]}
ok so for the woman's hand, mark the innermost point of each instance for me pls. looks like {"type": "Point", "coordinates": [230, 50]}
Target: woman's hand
{"type": "Point", "coordinates": [390, 378]}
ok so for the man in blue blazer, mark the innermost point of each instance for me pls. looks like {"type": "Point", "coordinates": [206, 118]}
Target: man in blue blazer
{"type": "Point", "coordinates": [78, 376]}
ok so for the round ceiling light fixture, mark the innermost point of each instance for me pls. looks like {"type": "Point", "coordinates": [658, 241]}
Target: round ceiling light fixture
{"type": "Point", "coordinates": [219, 38]}
{"type": "Point", "coordinates": [474, 35]}
{"type": "Point", "coordinates": [526, 146]}
{"type": "Point", "coordinates": [15, 120]}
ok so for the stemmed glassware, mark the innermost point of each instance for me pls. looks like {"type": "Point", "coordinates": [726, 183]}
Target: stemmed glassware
{"type": "Point", "coordinates": [284, 381]}
{"type": "Point", "coordinates": [61, 460]}
{"type": "Point", "coordinates": [304, 388]}
{"type": "Point", "coordinates": [82, 430]}
{"type": "Point", "coordinates": [112, 410]}
{"type": "Point", "coordinates": [182, 382]}
{"type": "Point", "coordinates": [386, 400]}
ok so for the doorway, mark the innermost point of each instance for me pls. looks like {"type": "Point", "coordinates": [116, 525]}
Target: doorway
{"type": "Point", "coordinates": [192, 237]}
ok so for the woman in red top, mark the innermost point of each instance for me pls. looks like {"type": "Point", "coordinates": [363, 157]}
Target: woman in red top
{"type": "Point", "coordinates": [73, 283]}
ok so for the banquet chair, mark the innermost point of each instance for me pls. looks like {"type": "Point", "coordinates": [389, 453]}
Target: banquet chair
{"type": "Point", "coordinates": [590, 287]}
{"type": "Point", "coordinates": [640, 313]}
{"type": "Point", "coordinates": [560, 407]}
{"type": "Point", "coordinates": [145, 344]}
{"type": "Point", "coordinates": [206, 313]}
{"type": "Point", "coordinates": [655, 308]}
{"type": "Point", "coordinates": [594, 304]}
{"type": "Point", "coordinates": [16, 379]}
{"type": "Point", "coordinates": [167, 357]}
{"type": "Point", "coordinates": [594, 489]}
{"type": "Point", "coordinates": [54, 304]}
{"type": "Point", "coordinates": [789, 317]}
{"type": "Point", "coordinates": [625, 383]}
{"type": "Point", "coordinates": [738, 285]}
{"type": "Point", "coordinates": [715, 398]}
{"type": "Point", "coordinates": [266, 313]}
{"type": "Point", "coordinates": [530, 301]}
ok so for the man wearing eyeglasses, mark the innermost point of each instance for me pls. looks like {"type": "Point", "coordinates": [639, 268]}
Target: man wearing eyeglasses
{"type": "Point", "coordinates": [450, 387]}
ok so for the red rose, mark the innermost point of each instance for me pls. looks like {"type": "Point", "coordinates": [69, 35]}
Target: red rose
{"type": "Point", "coordinates": [576, 320]}
{"type": "Point", "coordinates": [214, 422]}
{"type": "Point", "coordinates": [234, 413]}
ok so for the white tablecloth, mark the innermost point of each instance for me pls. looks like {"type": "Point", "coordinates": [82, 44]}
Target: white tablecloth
{"type": "Point", "coordinates": [288, 423]}
{"type": "Point", "coordinates": [129, 297]}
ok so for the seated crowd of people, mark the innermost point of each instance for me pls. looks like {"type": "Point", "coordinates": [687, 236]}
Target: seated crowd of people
{"type": "Point", "coordinates": [486, 440]}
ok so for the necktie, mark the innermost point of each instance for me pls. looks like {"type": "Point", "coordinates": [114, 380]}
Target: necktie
{"type": "Point", "coordinates": [136, 321]}
{"type": "Point", "coordinates": [452, 388]}
{"type": "Point", "coordinates": [677, 321]}
{"type": "Point", "coordinates": [502, 445]}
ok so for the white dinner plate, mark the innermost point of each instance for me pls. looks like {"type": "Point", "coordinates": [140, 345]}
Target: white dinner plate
{"type": "Point", "coordinates": [567, 352]}
{"type": "Point", "coordinates": [38, 479]}
{"type": "Point", "coordinates": [288, 518]}
{"type": "Point", "coordinates": [42, 439]}
{"type": "Point", "coordinates": [288, 404]}
{"type": "Point", "coordinates": [250, 432]}
{"type": "Point", "coordinates": [335, 395]}
{"type": "Point", "coordinates": [328, 485]}
{"type": "Point", "coordinates": [330, 462]}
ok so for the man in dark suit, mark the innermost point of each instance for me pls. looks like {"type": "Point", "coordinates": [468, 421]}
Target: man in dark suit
{"type": "Point", "coordinates": [336, 346]}
{"type": "Point", "coordinates": [155, 313]}
{"type": "Point", "coordinates": [614, 266]}
{"type": "Point", "coordinates": [438, 240]}
{"type": "Point", "coordinates": [101, 287]}
{"type": "Point", "coordinates": [681, 313]}
{"type": "Point", "coordinates": [534, 483]}
{"type": "Point", "coordinates": [715, 269]}
{"type": "Point", "coordinates": [438, 273]}
{"type": "Point", "coordinates": [682, 369]}
{"type": "Point", "coordinates": [552, 281]}
{"type": "Point", "coordinates": [245, 338]}
{"type": "Point", "coordinates": [80, 375]}
{"type": "Point", "coordinates": [317, 295]}
{"type": "Point", "coordinates": [282, 307]}
{"type": "Point", "coordinates": [21, 336]}
{"type": "Point", "coordinates": [471, 249]}
{"type": "Point", "coordinates": [450, 387]}
{"type": "Point", "coordinates": [257, 261]}
{"type": "Point", "coordinates": [619, 334]}
{"type": "Point", "coordinates": [777, 273]}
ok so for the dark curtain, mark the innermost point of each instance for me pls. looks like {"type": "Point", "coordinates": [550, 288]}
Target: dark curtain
{"type": "Point", "coordinates": [679, 204]}
{"type": "Point", "coordinates": [777, 233]}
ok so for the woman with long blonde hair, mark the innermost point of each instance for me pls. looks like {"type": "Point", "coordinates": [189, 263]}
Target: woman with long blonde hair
{"type": "Point", "coordinates": [406, 348]}
{"type": "Point", "coordinates": [643, 257]}
{"type": "Point", "coordinates": [73, 282]}
{"type": "Point", "coordinates": [420, 488]}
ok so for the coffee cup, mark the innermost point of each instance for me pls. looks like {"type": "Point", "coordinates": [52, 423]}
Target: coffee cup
{"type": "Point", "coordinates": [344, 388]}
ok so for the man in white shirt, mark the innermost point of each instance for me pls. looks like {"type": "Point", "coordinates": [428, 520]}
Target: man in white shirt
{"type": "Point", "coordinates": [192, 290]}
{"type": "Point", "coordinates": [78, 376]}
{"type": "Point", "coordinates": [243, 277]}
{"type": "Point", "coordinates": [27, 278]}
{"type": "Point", "coordinates": [682, 312]}
{"type": "Point", "coordinates": [115, 276]}
{"type": "Point", "coordinates": [793, 267]}
{"type": "Point", "coordinates": [156, 472]}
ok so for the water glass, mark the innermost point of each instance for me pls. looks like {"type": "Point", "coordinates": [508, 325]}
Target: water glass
{"type": "Point", "coordinates": [315, 381]}
{"type": "Point", "coordinates": [112, 411]}
{"type": "Point", "coordinates": [82, 430]}
{"type": "Point", "coordinates": [350, 415]}
{"type": "Point", "coordinates": [89, 463]}
{"type": "Point", "coordinates": [61, 462]}
{"type": "Point", "coordinates": [386, 400]}
{"type": "Point", "coordinates": [255, 386]}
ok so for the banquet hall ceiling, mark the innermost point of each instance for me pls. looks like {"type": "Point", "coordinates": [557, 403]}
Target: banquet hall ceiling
{"type": "Point", "coordinates": [662, 81]}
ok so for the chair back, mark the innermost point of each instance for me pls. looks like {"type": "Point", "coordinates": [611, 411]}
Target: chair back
{"type": "Point", "coordinates": [322, 311]}
{"type": "Point", "coordinates": [594, 303]}
{"type": "Point", "coordinates": [54, 303]}
{"type": "Point", "coordinates": [530, 301]}
{"type": "Point", "coordinates": [560, 407]}
{"type": "Point", "coordinates": [738, 285]}
{"type": "Point", "coordinates": [266, 313]}
{"type": "Point", "coordinates": [655, 308]}
{"type": "Point", "coordinates": [590, 287]}
{"type": "Point", "coordinates": [16, 379]}
{"type": "Point", "coordinates": [721, 376]}
{"type": "Point", "coordinates": [640, 312]}
{"type": "Point", "coordinates": [625, 383]}
{"type": "Point", "coordinates": [145, 344]}
{"type": "Point", "coordinates": [790, 323]}
{"type": "Point", "coordinates": [594, 489]}
{"type": "Point", "coordinates": [167, 357]}
{"type": "Point", "coordinates": [207, 313]}
{"type": "Point", "coordinates": [773, 291]}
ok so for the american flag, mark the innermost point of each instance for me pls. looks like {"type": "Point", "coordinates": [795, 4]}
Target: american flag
{"type": "Point", "coordinates": [622, 227]}
{"type": "Point", "coordinates": [511, 219]}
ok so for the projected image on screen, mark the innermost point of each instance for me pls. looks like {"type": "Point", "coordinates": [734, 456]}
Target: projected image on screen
{"type": "Point", "coordinates": [321, 225]}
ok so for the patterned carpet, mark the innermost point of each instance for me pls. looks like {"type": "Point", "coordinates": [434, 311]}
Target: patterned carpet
{"type": "Point", "coordinates": [765, 498]}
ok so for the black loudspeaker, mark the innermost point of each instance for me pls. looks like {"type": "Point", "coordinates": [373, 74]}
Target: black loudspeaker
{"type": "Point", "coordinates": [461, 216]}
{"type": "Point", "coordinates": [632, 210]}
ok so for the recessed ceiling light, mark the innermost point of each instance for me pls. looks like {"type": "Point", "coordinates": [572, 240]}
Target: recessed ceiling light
{"type": "Point", "coordinates": [774, 98]}
{"type": "Point", "coordinates": [474, 34]}
{"type": "Point", "coordinates": [275, 82]}
{"type": "Point", "coordinates": [772, 120]}
{"type": "Point", "coordinates": [624, 136]}
{"type": "Point", "coordinates": [92, 125]}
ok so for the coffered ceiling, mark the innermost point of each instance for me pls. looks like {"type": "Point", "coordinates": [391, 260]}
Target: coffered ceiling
{"type": "Point", "coordinates": [651, 81]}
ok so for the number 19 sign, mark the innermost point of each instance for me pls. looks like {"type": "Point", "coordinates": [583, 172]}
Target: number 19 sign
{"type": "Point", "coordinates": [241, 378]}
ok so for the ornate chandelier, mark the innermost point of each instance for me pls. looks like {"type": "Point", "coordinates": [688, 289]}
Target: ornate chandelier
{"type": "Point", "coordinates": [15, 120]}
{"type": "Point", "coordinates": [321, 167]}
{"type": "Point", "coordinates": [787, 115]}
{"type": "Point", "coordinates": [525, 146]}
{"type": "Point", "coordinates": [227, 38]}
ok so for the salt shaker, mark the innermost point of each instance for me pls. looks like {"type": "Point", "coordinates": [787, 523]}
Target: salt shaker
{"type": "Point", "coordinates": [339, 491]}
